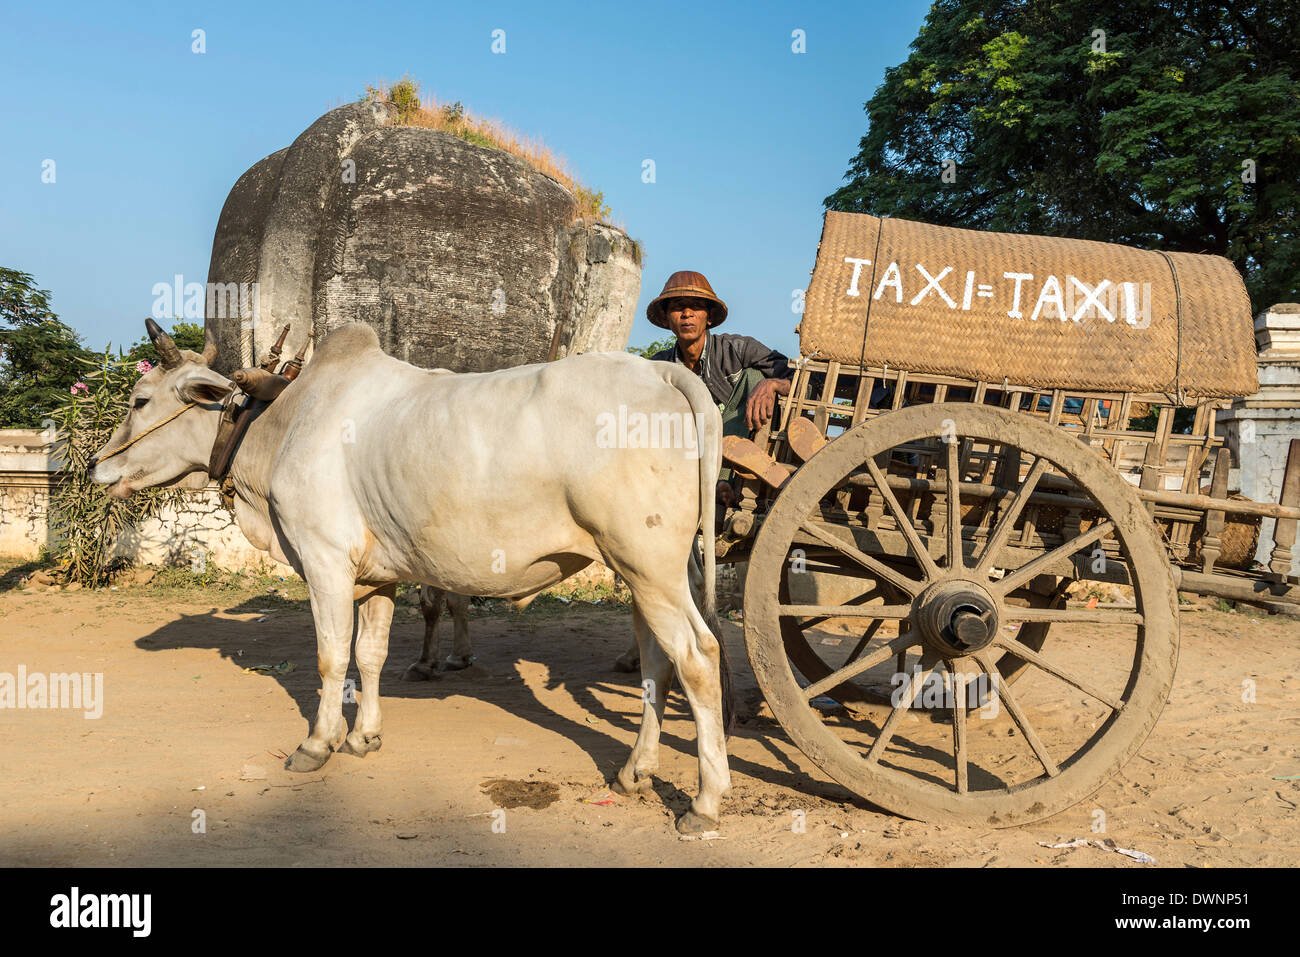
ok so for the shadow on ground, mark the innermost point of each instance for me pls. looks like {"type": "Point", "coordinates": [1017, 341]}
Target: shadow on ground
{"type": "Point", "coordinates": [495, 680]}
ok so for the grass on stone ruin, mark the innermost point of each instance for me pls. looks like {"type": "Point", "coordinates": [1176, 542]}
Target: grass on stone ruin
{"type": "Point", "coordinates": [415, 108]}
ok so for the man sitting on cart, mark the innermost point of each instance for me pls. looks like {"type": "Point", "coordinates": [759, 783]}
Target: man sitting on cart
{"type": "Point", "coordinates": [744, 376]}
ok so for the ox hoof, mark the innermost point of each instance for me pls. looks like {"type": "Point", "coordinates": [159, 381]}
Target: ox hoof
{"type": "Point", "coordinates": [641, 785]}
{"type": "Point", "coordinates": [628, 662]}
{"type": "Point", "coordinates": [459, 663]}
{"type": "Point", "coordinates": [420, 672]}
{"type": "Point", "coordinates": [303, 761]}
{"type": "Point", "coordinates": [692, 823]}
{"type": "Point", "coordinates": [360, 745]}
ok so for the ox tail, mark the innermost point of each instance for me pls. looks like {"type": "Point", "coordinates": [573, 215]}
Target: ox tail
{"type": "Point", "coordinates": [708, 439]}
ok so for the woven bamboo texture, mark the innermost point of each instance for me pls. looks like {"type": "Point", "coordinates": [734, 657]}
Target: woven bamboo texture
{"type": "Point", "coordinates": [1034, 310]}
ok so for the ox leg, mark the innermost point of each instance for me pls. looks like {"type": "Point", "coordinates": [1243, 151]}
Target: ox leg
{"type": "Point", "coordinates": [331, 607]}
{"type": "Point", "coordinates": [431, 607]}
{"type": "Point", "coordinates": [630, 660]}
{"type": "Point", "coordinates": [680, 631]}
{"type": "Point", "coordinates": [656, 675]}
{"type": "Point", "coordinates": [374, 617]}
{"type": "Point", "coordinates": [462, 652]}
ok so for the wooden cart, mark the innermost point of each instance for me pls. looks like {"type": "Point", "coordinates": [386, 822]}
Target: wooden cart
{"type": "Point", "coordinates": [947, 480]}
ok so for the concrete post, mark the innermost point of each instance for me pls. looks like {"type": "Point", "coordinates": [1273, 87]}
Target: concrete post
{"type": "Point", "coordinates": [1259, 428]}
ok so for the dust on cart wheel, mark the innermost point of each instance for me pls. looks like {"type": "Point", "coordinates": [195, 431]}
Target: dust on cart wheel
{"type": "Point", "coordinates": [962, 591]}
{"type": "Point", "coordinates": [816, 656]}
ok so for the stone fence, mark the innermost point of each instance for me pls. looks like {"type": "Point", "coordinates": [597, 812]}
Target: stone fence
{"type": "Point", "coordinates": [202, 529]}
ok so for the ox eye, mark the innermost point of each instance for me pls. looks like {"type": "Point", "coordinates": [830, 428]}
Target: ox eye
{"type": "Point", "coordinates": [140, 402]}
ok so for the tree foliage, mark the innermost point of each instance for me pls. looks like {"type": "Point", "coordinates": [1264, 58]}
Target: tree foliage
{"type": "Point", "coordinates": [658, 345]}
{"type": "Point", "coordinates": [1171, 124]}
{"type": "Point", "coordinates": [42, 358]}
{"type": "Point", "coordinates": [39, 357]}
{"type": "Point", "coordinates": [21, 303]}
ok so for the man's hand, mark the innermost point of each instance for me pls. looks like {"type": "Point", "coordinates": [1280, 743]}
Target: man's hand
{"type": "Point", "coordinates": [762, 402]}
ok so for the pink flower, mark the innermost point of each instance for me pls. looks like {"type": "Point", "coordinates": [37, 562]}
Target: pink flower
{"type": "Point", "coordinates": [143, 366]}
{"type": "Point", "coordinates": [80, 388]}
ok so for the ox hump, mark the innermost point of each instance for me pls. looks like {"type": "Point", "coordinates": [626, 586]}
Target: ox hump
{"type": "Point", "coordinates": [345, 343]}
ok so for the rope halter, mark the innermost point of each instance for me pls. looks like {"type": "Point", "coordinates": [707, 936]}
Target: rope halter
{"type": "Point", "coordinates": [157, 425]}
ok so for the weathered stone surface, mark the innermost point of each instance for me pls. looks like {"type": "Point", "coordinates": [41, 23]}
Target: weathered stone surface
{"type": "Point", "coordinates": [237, 250]}
{"type": "Point", "coordinates": [458, 256]}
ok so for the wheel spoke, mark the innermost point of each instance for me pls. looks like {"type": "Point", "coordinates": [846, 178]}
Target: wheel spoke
{"type": "Point", "coordinates": [862, 642]}
{"type": "Point", "coordinates": [1024, 573]}
{"type": "Point", "coordinates": [1069, 677]}
{"type": "Point", "coordinates": [1008, 519]}
{"type": "Point", "coordinates": [959, 728]}
{"type": "Point", "coordinates": [897, 579]}
{"type": "Point", "coordinates": [1101, 616]}
{"type": "Point", "coordinates": [844, 611]}
{"type": "Point", "coordinates": [852, 602]}
{"type": "Point", "coordinates": [1003, 691]}
{"type": "Point", "coordinates": [884, 652]}
{"type": "Point", "coordinates": [954, 504]}
{"type": "Point", "coordinates": [891, 723]}
{"type": "Point", "coordinates": [904, 522]}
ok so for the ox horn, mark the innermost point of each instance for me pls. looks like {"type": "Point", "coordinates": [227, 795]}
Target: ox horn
{"type": "Point", "coordinates": [209, 347]}
{"type": "Point", "coordinates": [171, 356]}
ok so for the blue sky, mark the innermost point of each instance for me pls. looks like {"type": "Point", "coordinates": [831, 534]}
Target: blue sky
{"type": "Point", "coordinates": [148, 137]}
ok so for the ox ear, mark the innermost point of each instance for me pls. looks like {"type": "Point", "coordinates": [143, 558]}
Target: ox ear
{"type": "Point", "coordinates": [200, 384]}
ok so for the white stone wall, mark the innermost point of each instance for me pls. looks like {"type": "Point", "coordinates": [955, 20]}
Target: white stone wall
{"type": "Point", "coordinates": [1259, 428]}
{"type": "Point", "coordinates": [201, 530]}
{"type": "Point", "coordinates": [24, 512]}
{"type": "Point", "coordinates": [25, 469]}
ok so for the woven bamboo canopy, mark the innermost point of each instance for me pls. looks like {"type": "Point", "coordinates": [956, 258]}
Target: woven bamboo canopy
{"type": "Point", "coordinates": [1033, 310]}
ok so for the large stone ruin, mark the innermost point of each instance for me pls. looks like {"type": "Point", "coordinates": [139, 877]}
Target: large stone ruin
{"type": "Point", "coordinates": [459, 256]}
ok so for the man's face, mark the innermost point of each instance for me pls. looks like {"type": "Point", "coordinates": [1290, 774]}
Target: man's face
{"type": "Point", "coordinates": [688, 318]}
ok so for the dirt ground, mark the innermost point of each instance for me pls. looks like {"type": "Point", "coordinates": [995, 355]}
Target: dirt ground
{"type": "Point", "coordinates": [535, 730]}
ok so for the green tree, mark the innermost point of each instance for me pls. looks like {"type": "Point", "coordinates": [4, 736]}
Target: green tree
{"type": "Point", "coordinates": [21, 303]}
{"type": "Point", "coordinates": [657, 346]}
{"type": "Point", "coordinates": [38, 353]}
{"type": "Point", "coordinates": [1156, 123]}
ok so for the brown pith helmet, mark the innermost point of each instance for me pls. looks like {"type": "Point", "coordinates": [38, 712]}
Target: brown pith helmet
{"type": "Point", "coordinates": [686, 285]}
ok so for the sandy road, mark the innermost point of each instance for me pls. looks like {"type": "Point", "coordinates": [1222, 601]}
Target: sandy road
{"type": "Point", "coordinates": [185, 729]}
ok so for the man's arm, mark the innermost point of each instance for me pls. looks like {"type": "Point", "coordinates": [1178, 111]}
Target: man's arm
{"type": "Point", "coordinates": [754, 355]}
{"type": "Point", "coordinates": [777, 374]}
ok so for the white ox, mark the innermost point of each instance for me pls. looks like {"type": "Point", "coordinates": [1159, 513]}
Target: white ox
{"type": "Point", "coordinates": [510, 488]}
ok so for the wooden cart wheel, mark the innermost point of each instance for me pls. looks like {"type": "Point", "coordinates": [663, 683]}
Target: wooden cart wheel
{"type": "Point", "coordinates": [1070, 728]}
{"type": "Point", "coordinates": [854, 693]}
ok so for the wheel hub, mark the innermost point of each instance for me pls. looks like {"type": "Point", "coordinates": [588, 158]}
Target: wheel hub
{"type": "Point", "coordinates": [956, 618]}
